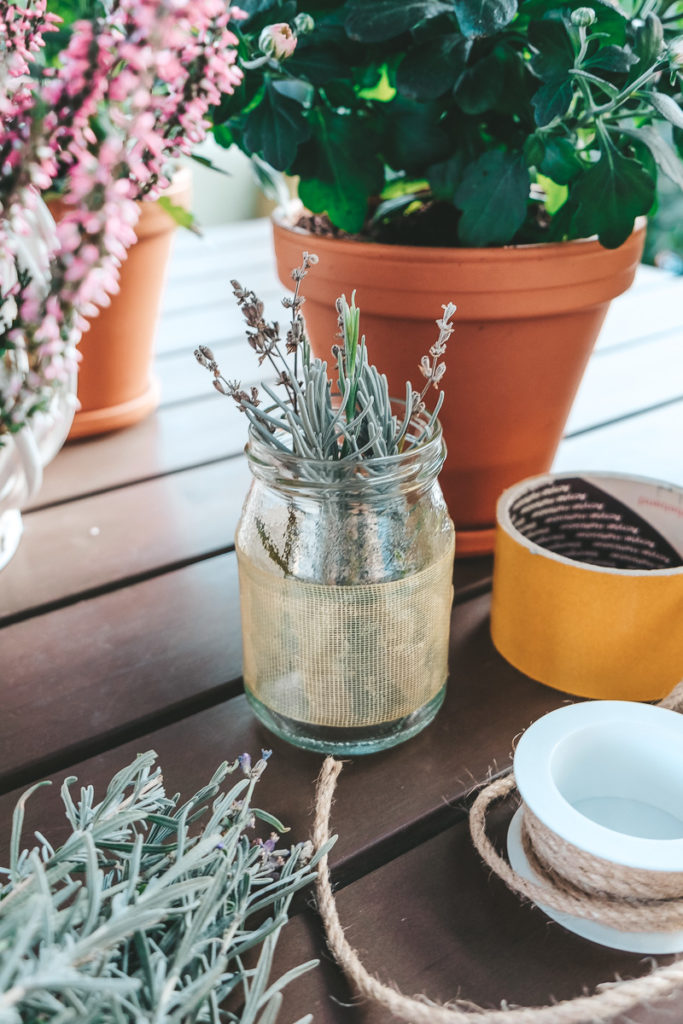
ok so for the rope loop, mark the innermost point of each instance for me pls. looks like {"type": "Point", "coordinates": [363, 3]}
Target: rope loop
{"type": "Point", "coordinates": [632, 910]}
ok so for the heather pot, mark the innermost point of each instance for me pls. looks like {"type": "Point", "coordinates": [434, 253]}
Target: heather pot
{"type": "Point", "coordinates": [527, 320]}
{"type": "Point", "coordinates": [116, 386]}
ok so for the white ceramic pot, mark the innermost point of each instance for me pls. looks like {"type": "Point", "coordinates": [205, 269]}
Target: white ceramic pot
{"type": "Point", "coordinates": [22, 458]}
{"type": "Point", "coordinates": [24, 454]}
{"type": "Point", "coordinates": [607, 777]}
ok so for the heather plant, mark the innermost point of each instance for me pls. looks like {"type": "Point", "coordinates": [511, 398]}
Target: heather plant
{"type": "Point", "coordinates": [102, 124]}
{"type": "Point", "coordinates": [152, 909]}
{"type": "Point", "coordinates": [463, 122]}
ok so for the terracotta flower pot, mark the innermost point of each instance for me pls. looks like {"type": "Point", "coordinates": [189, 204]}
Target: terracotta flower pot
{"type": "Point", "coordinates": [115, 383]}
{"type": "Point", "coordinates": [527, 320]}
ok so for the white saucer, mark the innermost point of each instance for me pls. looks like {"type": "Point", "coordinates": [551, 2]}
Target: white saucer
{"type": "Point", "coordinates": [632, 942]}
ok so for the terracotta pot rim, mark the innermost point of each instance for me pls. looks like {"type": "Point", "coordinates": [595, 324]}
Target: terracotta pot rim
{"type": "Point", "coordinates": [500, 253]}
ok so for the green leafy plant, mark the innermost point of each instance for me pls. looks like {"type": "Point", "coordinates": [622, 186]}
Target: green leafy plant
{"type": "Point", "coordinates": [464, 122]}
{"type": "Point", "coordinates": [148, 909]}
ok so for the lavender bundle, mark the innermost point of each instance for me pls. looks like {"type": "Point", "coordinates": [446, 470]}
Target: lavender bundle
{"type": "Point", "coordinates": [305, 417]}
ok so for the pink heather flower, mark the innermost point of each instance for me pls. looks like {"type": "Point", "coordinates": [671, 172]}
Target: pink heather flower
{"type": "Point", "coordinates": [277, 41]}
{"type": "Point", "coordinates": [153, 67]}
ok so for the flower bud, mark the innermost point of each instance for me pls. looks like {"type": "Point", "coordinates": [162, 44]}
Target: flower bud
{"type": "Point", "coordinates": [277, 41]}
{"type": "Point", "coordinates": [583, 17]}
{"type": "Point", "coordinates": [303, 24]}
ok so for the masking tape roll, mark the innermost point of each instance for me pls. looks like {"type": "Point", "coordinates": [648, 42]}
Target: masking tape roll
{"type": "Point", "coordinates": [588, 584]}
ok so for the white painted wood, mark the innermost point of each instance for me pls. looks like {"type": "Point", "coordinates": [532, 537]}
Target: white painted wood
{"type": "Point", "coordinates": [649, 444]}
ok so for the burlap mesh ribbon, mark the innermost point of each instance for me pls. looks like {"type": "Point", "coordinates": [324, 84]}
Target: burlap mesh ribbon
{"type": "Point", "coordinates": [345, 656]}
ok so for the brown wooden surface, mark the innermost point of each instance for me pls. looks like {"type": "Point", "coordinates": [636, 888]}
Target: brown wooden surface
{"type": "Point", "coordinates": [434, 923]}
{"type": "Point", "coordinates": [119, 632]}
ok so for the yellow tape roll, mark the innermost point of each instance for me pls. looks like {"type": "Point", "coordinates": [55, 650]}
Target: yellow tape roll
{"type": "Point", "coordinates": [588, 584]}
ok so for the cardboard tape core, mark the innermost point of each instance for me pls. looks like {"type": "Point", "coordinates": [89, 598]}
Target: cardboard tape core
{"type": "Point", "coordinates": [588, 584]}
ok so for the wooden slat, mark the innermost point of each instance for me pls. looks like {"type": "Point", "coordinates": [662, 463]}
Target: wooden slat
{"type": "Point", "coordinates": [648, 445]}
{"type": "Point", "coordinates": [207, 282]}
{"type": "Point", "coordinates": [648, 277]}
{"type": "Point", "coordinates": [180, 630]}
{"type": "Point", "coordinates": [125, 655]}
{"type": "Point", "coordinates": [179, 382]}
{"type": "Point", "coordinates": [171, 440]}
{"type": "Point", "coordinates": [218, 247]}
{"type": "Point", "coordinates": [208, 325]}
{"type": "Point", "coordinates": [99, 542]}
{"type": "Point", "coordinates": [82, 674]}
{"type": "Point", "coordinates": [637, 315]}
{"type": "Point", "coordinates": [619, 382]}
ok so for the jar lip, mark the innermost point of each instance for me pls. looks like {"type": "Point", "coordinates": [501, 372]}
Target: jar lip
{"type": "Point", "coordinates": [257, 451]}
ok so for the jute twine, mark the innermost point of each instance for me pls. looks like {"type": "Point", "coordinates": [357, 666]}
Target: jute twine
{"type": "Point", "coordinates": [621, 902]}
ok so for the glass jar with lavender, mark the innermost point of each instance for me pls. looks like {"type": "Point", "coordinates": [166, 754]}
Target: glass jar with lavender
{"type": "Point", "coordinates": [345, 546]}
{"type": "Point", "coordinates": [346, 589]}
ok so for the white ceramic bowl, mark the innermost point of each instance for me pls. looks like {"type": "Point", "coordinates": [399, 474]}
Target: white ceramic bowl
{"type": "Point", "coordinates": [606, 776]}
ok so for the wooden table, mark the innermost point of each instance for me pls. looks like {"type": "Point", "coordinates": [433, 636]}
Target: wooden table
{"type": "Point", "coordinates": [120, 633]}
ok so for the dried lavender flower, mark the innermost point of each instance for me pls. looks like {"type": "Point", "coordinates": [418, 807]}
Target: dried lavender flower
{"type": "Point", "coordinates": [355, 423]}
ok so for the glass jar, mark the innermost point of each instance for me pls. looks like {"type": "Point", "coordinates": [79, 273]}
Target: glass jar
{"type": "Point", "coordinates": [346, 590]}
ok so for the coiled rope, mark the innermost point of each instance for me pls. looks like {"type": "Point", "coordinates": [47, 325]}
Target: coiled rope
{"type": "Point", "coordinates": [623, 902]}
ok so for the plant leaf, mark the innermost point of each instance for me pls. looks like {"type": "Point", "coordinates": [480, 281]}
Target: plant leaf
{"type": "Point", "coordinates": [560, 161]}
{"type": "Point", "coordinates": [552, 100]}
{"type": "Point", "coordinates": [223, 135]}
{"type": "Point", "coordinates": [667, 107]}
{"type": "Point", "coordinates": [484, 17]}
{"type": "Point", "coordinates": [678, 140]}
{"type": "Point", "coordinates": [555, 53]}
{"type": "Point", "coordinates": [555, 195]}
{"type": "Point", "coordinates": [339, 170]}
{"type": "Point", "coordinates": [296, 89]}
{"type": "Point", "coordinates": [430, 69]}
{"type": "Point", "coordinates": [667, 160]}
{"type": "Point", "coordinates": [612, 58]}
{"type": "Point", "coordinates": [493, 197]}
{"type": "Point", "coordinates": [481, 86]}
{"type": "Point", "coordinates": [254, 7]}
{"type": "Point", "coordinates": [649, 36]}
{"type": "Point", "coordinates": [275, 128]}
{"type": "Point", "coordinates": [414, 135]}
{"type": "Point", "coordinates": [183, 218]}
{"type": "Point", "coordinates": [609, 196]}
{"type": "Point", "coordinates": [444, 177]}
{"type": "Point", "coordinates": [209, 164]}
{"type": "Point", "coordinates": [319, 64]}
{"type": "Point", "coordinates": [385, 19]}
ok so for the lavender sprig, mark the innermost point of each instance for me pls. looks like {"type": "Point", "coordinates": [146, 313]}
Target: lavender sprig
{"type": "Point", "coordinates": [357, 422]}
